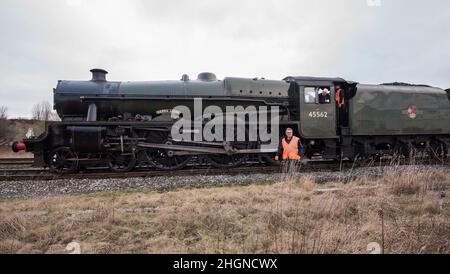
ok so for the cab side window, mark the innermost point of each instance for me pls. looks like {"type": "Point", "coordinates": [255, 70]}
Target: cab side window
{"type": "Point", "coordinates": [310, 95]}
{"type": "Point", "coordinates": [321, 95]}
{"type": "Point", "coordinates": [324, 95]}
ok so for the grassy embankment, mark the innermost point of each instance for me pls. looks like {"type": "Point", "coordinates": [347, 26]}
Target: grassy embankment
{"type": "Point", "coordinates": [400, 210]}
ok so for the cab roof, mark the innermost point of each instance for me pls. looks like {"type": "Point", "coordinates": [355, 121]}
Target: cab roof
{"type": "Point", "coordinates": [308, 80]}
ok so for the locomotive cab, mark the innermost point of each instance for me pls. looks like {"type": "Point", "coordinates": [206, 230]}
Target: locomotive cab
{"type": "Point", "coordinates": [323, 113]}
{"type": "Point", "coordinates": [317, 111]}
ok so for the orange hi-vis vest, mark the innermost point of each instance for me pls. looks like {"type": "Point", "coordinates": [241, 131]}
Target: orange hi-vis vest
{"type": "Point", "coordinates": [340, 101]}
{"type": "Point", "coordinates": [290, 150]}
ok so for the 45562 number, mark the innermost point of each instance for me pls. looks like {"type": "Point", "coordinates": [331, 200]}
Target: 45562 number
{"type": "Point", "coordinates": [318, 114]}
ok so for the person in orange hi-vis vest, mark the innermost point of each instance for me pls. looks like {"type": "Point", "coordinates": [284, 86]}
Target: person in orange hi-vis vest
{"type": "Point", "coordinates": [290, 148]}
{"type": "Point", "coordinates": [340, 96]}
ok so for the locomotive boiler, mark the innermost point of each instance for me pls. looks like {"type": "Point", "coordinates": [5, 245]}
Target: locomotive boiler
{"type": "Point", "coordinates": [132, 124]}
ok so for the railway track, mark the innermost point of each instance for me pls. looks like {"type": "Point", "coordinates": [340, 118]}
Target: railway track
{"type": "Point", "coordinates": [16, 161]}
{"type": "Point", "coordinates": [30, 174]}
{"type": "Point", "coordinates": [19, 169]}
{"type": "Point", "coordinates": [44, 174]}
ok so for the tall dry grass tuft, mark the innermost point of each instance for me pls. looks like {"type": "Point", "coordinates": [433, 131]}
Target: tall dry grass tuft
{"type": "Point", "coordinates": [11, 226]}
{"type": "Point", "coordinates": [415, 180]}
{"type": "Point", "coordinates": [405, 183]}
{"type": "Point", "coordinates": [290, 170]}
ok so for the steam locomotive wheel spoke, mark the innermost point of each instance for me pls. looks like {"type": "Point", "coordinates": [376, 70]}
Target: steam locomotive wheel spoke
{"type": "Point", "coordinates": [119, 162]}
{"type": "Point", "coordinates": [165, 160]}
{"type": "Point", "coordinates": [226, 161]}
{"type": "Point", "coordinates": [230, 161]}
{"type": "Point", "coordinates": [61, 160]}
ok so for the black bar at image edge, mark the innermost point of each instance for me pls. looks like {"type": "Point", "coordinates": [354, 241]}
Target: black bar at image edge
{"type": "Point", "coordinates": [223, 263]}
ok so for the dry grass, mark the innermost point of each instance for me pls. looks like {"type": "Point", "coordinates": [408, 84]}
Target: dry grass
{"type": "Point", "coordinates": [287, 217]}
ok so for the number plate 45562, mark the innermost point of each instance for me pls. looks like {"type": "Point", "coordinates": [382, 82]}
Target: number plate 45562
{"type": "Point", "coordinates": [318, 114]}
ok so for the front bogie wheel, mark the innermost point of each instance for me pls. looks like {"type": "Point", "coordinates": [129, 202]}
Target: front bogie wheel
{"type": "Point", "coordinates": [63, 160]}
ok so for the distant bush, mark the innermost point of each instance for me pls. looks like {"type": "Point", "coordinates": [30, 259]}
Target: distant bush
{"type": "Point", "coordinates": [3, 121]}
{"type": "Point", "coordinates": [3, 127]}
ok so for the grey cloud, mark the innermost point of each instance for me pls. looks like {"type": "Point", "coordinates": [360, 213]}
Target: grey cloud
{"type": "Point", "coordinates": [47, 40]}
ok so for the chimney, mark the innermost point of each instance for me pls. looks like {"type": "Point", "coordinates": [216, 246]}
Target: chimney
{"type": "Point", "coordinates": [98, 75]}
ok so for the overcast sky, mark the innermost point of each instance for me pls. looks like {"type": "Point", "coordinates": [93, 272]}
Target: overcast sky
{"type": "Point", "coordinates": [369, 41]}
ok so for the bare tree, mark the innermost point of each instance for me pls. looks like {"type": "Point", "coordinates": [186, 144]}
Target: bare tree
{"type": "Point", "coordinates": [3, 112]}
{"type": "Point", "coordinates": [3, 122]}
{"type": "Point", "coordinates": [43, 112]}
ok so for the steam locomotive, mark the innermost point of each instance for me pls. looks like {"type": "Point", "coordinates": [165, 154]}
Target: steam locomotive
{"type": "Point", "coordinates": [133, 124]}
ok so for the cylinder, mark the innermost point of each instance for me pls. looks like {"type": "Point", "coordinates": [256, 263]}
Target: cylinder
{"type": "Point", "coordinates": [86, 139]}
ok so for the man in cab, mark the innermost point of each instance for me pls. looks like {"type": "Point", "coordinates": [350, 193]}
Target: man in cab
{"type": "Point", "coordinates": [324, 96]}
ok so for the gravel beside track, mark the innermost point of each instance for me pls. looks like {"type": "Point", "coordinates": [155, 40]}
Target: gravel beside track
{"type": "Point", "coordinates": [42, 188]}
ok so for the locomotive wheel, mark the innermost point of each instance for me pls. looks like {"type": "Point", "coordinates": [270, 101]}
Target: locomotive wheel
{"type": "Point", "coordinates": [143, 160]}
{"type": "Point", "coordinates": [229, 161]}
{"type": "Point", "coordinates": [63, 160]}
{"type": "Point", "coordinates": [119, 162]}
{"type": "Point", "coordinates": [226, 161]}
{"type": "Point", "coordinates": [165, 159]}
